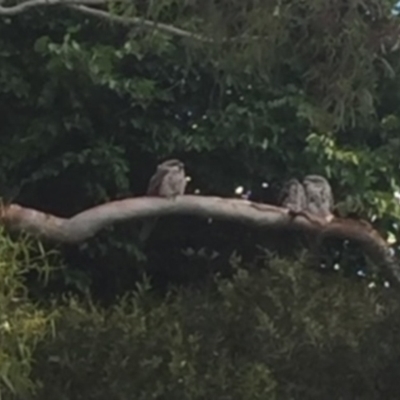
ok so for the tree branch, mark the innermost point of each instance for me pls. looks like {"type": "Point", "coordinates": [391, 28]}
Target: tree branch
{"type": "Point", "coordinates": [26, 5]}
{"type": "Point", "coordinates": [88, 223]}
{"type": "Point", "coordinates": [82, 6]}
{"type": "Point", "coordinates": [145, 23]}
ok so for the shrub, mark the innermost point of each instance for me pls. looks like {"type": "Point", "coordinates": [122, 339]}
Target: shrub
{"type": "Point", "coordinates": [277, 332]}
{"type": "Point", "coordinates": [22, 323]}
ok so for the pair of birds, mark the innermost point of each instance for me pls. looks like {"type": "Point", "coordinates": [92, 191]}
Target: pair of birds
{"type": "Point", "coordinates": [313, 196]}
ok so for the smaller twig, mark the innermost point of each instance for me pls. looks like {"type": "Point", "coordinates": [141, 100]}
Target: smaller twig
{"type": "Point", "coordinates": [148, 24]}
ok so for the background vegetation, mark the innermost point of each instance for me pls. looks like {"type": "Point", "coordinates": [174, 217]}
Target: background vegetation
{"type": "Point", "coordinates": [88, 109]}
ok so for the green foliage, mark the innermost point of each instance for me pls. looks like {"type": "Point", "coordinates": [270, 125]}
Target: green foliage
{"type": "Point", "coordinates": [338, 50]}
{"type": "Point", "coordinates": [362, 172]}
{"type": "Point", "coordinates": [276, 332]}
{"type": "Point", "coordinates": [22, 324]}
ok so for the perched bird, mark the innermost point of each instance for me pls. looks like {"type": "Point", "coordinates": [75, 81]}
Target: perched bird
{"type": "Point", "coordinates": [293, 196]}
{"type": "Point", "coordinates": [319, 197]}
{"type": "Point", "coordinates": [168, 181]}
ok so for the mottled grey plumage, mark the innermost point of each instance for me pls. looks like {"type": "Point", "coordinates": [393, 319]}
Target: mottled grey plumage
{"type": "Point", "coordinates": [293, 196]}
{"type": "Point", "coordinates": [168, 181]}
{"type": "Point", "coordinates": [319, 196]}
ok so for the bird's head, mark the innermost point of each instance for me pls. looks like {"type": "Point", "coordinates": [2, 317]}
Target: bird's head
{"type": "Point", "coordinates": [292, 181]}
{"type": "Point", "coordinates": [173, 163]}
{"type": "Point", "coordinates": [314, 179]}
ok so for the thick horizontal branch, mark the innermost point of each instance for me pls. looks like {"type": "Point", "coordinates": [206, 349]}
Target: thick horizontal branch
{"type": "Point", "coordinates": [88, 223]}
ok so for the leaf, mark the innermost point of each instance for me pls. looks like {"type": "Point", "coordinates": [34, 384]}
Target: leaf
{"type": "Point", "coordinates": [41, 44]}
